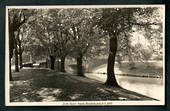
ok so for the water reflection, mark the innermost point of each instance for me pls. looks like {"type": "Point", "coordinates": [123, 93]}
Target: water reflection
{"type": "Point", "coordinates": [152, 87]}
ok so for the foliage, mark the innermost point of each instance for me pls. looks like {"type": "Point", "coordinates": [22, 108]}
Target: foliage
{"type": "Point", "coordinates": [135, 33]}
{"type": "Point", "coordinates": [132, 25]}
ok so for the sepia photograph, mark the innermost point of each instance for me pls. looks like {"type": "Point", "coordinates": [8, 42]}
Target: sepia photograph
{"type": "Point", "coordinates": [85, 55]}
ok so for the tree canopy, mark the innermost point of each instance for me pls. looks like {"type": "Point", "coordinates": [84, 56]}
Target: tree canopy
{"type": "Point", "coordinates": [134, 33]}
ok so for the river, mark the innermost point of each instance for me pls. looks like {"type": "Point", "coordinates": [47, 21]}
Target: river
{"type": "Point", "coordinates": [152, 87]}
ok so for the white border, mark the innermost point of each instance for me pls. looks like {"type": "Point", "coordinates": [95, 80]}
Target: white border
{"type": "Point", "coordinates": [77, 103]}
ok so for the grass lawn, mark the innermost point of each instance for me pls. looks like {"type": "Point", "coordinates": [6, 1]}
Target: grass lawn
{"type": "Point", "coordinates": [44, 85]}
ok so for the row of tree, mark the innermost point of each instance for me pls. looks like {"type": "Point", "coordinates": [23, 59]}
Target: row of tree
{"type": "Point", "coordinates": [58, 33]}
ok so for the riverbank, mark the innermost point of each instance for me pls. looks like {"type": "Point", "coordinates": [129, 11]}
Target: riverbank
{"type": "Point", "coordinates": [149, 69]}
{"type": "Point", "coordinates": [152, 87]}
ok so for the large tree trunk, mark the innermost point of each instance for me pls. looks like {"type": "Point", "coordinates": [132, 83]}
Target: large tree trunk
{"type": "Point", "coordinates": [16, 58]}
{"type": "Point", "coordinates": [80, 65]}
{"type": "Point", "coordinates": [13, 26]}
{"type": "Point", "coordinates": [52, 61]}
{"type": "Point", "coordinates": [16, 61]}
{"type": "Point", "coordinates": [62, 64]}
{"type": "Point", "coordinates": [11, 48]}
{"type": "Point", "coordinates": [20, 59]}
{"type": "Point", "coordinates": [20, 54]}
{"type": "Point", "coordinates": [10, 72]}
{"type": "Point", "coordinates": [111, 80]}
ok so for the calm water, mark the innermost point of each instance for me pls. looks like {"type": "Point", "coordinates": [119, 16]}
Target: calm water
{"type": "Point", "coordinates": [152, 87]}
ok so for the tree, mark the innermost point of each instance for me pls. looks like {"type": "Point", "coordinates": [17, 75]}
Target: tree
{"type": "Point", "coordinates": [62, 38]}
{"type": "Point", "coordinates": [53, 35]}
{"type": "Point", "coordinates": [40, 38]}
{"type": "Point", "coordinates": [82, 32]}
{"type": "Point", "coordinates": [62, 31]}
{"type": "Point", "coordinates": [118, 22]}
{"type": "Point", "coordinates": [142, 38]}
{"type": "Point", "coordinates": [16, 18]}
{"type": "Point", "coordinates": [21, 47]}
{"type": "Point", "coordinates": [16, 50]}
{"type": "Point", "coordinates": [23, 41]}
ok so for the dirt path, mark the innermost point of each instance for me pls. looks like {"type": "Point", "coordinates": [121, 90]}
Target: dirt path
{"type": "Point", "coordinates": [36, 85]}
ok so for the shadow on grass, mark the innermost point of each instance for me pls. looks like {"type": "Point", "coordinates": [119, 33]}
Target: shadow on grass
{"type": "Point", "coordinates": [42, 85]}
